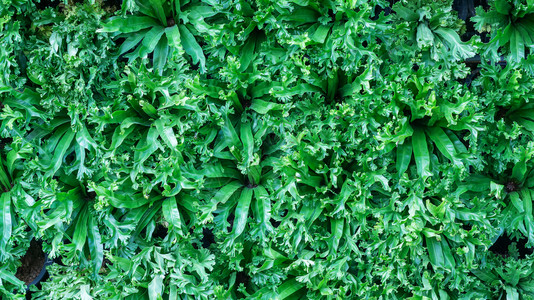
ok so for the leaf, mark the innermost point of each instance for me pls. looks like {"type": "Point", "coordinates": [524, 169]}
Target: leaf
{"type": "Point", "coordinates": [132, 41]}
{"type": "Point", "coordinates": [80, 231]}
{"type": "Point", "coordinates": [516, 201]}
{"type": "Point", "coordinates": [336, 226]}
{"type": "Point", "coordinates": [172, 214]}
{"type": "Point", "coordinates": [519, 170]}
{"type": "Point", "coordinates": [4, 178]}
{"type": "Point", "coordinates": [437, 211]}
{"type": "Point", "coordinates": [173, 36]}
{"type": "Point", "coordinates": [511, 293]}
{"type": "Point", "coordinates": [96, 248]}
{"type": "Point", "coordinates": [527, 200]}
{"type": "Point", "coordinates": [167, 134]}
{"type": "Point", "coordinates": [517, 45]}
{"type": "Point", "coordinates": [247, 54]}
{"type": "Point", "coordinates": [405, 13]}
{"type": "Point", "coordinates": [129, 201]}
{"type": "Point", "coordinates": [302, 15]}
{"type": "Point", "coordinates": [502, 7]}
{"type": "Point", "coordinates": [439, 253]}
{"type": "Point", "coordinates": [425, 37]}
{"type": "Point", "coordinates": [155, 288]}
{"type": "Point", "coordinates": [456, 47]}
{"type": "Point", "coordinates": [288, 288]}
{"type": "Point", "coordinates": [404, 156]}
{"type": "Point", "coordinates": [230, 133]}
{"type": "Point", "coordinates": [263, 209]}
{"type": "Point", "coordinates": [321, 33]}
{"type": "Point", "coordinates": [151, 39]}
{"type": "Point", "coordinates": [442, 141]}
{"type": "Point", "coordinates": [248, 143]}
{"type": "Point", "coordinates": [157, 6]}
{"type": "Point", "coordinates": [160, 55]}
{"type": "Point", "coordinates": [9, 277]}
{"type": "Point", "coordinates": [5, 221]}
{"type": "Point", "coordinates": [129, 24]}
{"type": "Point", "coordinates": [192, 47]}
{"type": "Point", "coordinates": [486, 276]}
{"type": "Point", "coordinates": [241, 212]}
{"type": "Point", "coordinates": [420, 151]}
{"type": "Point", "coordinates": [263, 107]}
{"type": "Point", "coordinates": [60, 152]}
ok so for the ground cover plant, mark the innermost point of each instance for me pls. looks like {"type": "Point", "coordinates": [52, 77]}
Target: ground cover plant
{"type": "Point", "coordinates": [291, 149]}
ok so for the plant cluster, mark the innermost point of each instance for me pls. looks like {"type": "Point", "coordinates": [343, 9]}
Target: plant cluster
{"type": "Point", "coordinates": [290, 149]}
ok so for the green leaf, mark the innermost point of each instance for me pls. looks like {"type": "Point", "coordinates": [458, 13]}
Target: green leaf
{"type": "Point", "coordinates": [160, 55]}
{"type": "Point", "coordinates": [516, 201]}
{"type": "Point", "coordinates": [6, 221]}
{"type": "Point", "coordinates": [511, 293]}
{"type": "Point", "coordinates": [172, 214]}
{"type": "Point", "coordinates": [248, 142]}
{"type": "Point", "coordinates": [157, 6]}
{"type": "Point", "coordinates": [152, 37]}
{"type": "Point", "coordinates": [263, 107]}
{"type": "Point", "coordinates": [442, 141]}
{"type": "Point", "coordinates": [96, 248]}
{"type": "Point", "coordinates": [4, 178]}
{"type": "Point", "coordinates": [129, 24]}
{"type": "Point", "coordinates": [227, 191]}
{"type": "Point", "coordinates": [503, 7]}
{"type": "Point", "coordinates": [80, 231]}
{"type": "Point", "coordinates": [321, 33]}
{"type": "Point", "coordinates": [437, 211]}
{"type": "Point", "coordinates": [155, 288]}
{"type": "Point", "coordinates": [517, 45]}
{"type": "Point", "coordinates": [527, 200]}
{"type": "Point", "coordinates": [420, 151]}
{"type": "Point", "coordinates": [519, 170]}
{"type": "Point", "coordinates": [404, 156]}
{"type": "Point", "coordinates": [192, 47]}
{"type": "Point", "coordinates": [247, 54]}
{"type": "Point", "coordinates": [9, 277]}
{"type": "Point", "coordinates": [173, 36]}
{"type": "Point", "coordinates": [132, 41]}
{"type": "Point", "coordinates": [288, 288]}
{"type": "Point", "coordinates": [60, 152]}
{"type": "Point", "coordinates": [241, 212]}
{"type": "Point", "coordinates": [230, 133]}
{"type": "Point", "coordinates": [439, 253]}
{"type": "Point", "coordinates": [167, 134]}
{"type": "Point", "coordinates": [262, 209]}
{"type": "Point", "coordinates": [405, 13]}
{"type": "Point", "coordinates": [425, 37]}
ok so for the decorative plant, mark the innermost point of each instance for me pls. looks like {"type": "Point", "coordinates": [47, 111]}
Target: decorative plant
{"type": "Point", "coordinates": [159, 27]}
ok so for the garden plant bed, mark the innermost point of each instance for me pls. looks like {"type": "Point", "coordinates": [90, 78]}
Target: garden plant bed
{"type": "Point", "coordinates": [243, 149]}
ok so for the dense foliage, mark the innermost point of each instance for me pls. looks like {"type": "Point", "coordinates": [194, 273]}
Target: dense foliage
{"type": "Point", "coordinates": [289, 149]}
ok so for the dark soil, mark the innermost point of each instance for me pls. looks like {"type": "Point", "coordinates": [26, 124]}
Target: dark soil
{"type": "Point", "coordinates": [230, 220]}
{"type": "Point", "coordinates": [242, 277]}
{"type": "Point", "coordinates": [32, 263]}
{"type": "Point", "coordinates": [208, 237]}
{"type": "Point", "coordinates": [160, 232]}
{"type": "Point", "coordinates": [501, 246]}
{"type": "Point", "coordinates": [42, 4]}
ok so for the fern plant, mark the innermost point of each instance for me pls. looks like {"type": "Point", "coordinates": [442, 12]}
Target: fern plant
{"type": "Point", "coordinates": [160, 27]}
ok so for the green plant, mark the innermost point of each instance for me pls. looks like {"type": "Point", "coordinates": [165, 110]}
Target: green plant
{"type": "Point", "coordinates": [510, 24]}
{"type": "Point", "coordinates": [292, 149]}
{"type": "Point", "coordinates": [160, 27]}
